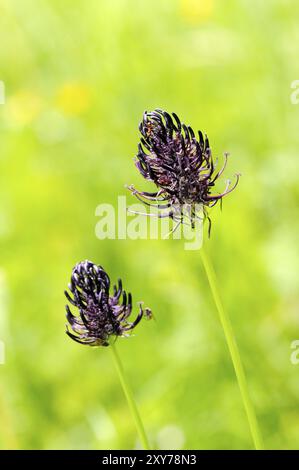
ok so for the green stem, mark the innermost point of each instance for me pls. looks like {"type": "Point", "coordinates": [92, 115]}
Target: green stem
{"type": "Point", "coordinates": [234, 351]}
{"type": "Point", "coordinates": [130, 399]}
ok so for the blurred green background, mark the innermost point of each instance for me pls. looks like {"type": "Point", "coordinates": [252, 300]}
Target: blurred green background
{"type": "Point", "coordinates": [78, 76]}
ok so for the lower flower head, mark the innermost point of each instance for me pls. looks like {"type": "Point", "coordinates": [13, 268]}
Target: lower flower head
{"type": "Point", "coordinates": [101, 315]}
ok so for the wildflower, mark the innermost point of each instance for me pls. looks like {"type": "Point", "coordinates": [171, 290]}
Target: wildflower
{"type": "Point", "coordinates": [180, 165]}
{"type": "Point", "coordinates": [101, 315]}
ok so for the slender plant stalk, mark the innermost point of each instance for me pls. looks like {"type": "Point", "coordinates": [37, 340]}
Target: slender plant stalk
{"type": "Point", "coordinates": [130, 399]}
{"type": "Point", "coordinates": [234, 351]}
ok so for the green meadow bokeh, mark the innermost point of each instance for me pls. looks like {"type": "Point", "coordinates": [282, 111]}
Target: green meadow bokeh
{"type": "Point", "coordinates": [78, 76]}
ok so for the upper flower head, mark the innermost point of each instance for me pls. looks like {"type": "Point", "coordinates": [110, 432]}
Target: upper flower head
{"type": "Point", "coordinates": [101, 315]}
{"type": "Point", "coordinates": [180, 165]}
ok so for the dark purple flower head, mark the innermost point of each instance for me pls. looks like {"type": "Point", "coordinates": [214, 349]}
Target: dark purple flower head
{"type": "Point", "coordinates": [101, 315]}
{"type": "Point", "coordinates": [180, 165]}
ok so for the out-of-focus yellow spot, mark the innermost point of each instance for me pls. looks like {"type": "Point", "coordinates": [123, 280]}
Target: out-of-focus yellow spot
{"type": "Point", "coordinates": [23, 107]}
{"type": "Point", "coordinates": [73, 98]}
{"type": "Point", "coordinates": [197, 10]}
